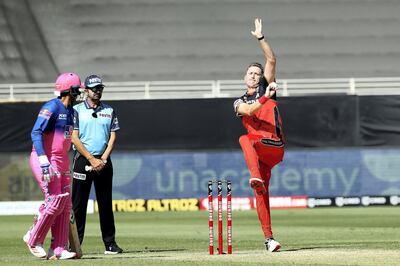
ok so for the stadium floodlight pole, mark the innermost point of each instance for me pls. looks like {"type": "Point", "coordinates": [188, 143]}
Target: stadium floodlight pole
{"type": "Point", "coordinates": [210, 218]}
{"type": "Point", "coordinates": [220, 240]}
{"type": "Point", "coordinates": [229, 215]}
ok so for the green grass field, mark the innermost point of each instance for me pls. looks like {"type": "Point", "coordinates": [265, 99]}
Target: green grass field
{"type": "Point", "coordinates": [334, 236]}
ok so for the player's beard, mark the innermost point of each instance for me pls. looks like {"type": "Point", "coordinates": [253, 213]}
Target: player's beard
{"type": "Point", "coordinates": [96, 97]}
{"type": "Point", "coordinates": [253, 84]}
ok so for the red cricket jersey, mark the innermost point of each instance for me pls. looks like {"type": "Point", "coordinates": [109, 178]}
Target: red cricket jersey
{"type": "Point", "coordinates": [267, 121]}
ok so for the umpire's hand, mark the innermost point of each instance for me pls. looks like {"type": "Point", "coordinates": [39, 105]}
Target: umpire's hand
{"type": "Point", "coordinates": [97, 164]}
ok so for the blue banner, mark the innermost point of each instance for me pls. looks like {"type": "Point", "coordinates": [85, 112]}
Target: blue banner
{"type": "Point", "coordinates": [315, 173]}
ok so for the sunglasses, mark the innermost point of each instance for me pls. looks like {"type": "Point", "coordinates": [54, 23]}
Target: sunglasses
{"type": "Point", "coordinates": [96, 89]}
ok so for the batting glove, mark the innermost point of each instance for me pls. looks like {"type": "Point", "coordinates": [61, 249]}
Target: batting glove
{"type": "Point", "coordinates": [47, 169]}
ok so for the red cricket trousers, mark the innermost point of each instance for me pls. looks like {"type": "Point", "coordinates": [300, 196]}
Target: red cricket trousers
{"type": "Point", "coordinates": [261, 155]}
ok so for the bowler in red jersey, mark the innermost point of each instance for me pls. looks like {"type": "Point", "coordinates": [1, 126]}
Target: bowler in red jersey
{"type": "Point", "coordinates": [263, 145]}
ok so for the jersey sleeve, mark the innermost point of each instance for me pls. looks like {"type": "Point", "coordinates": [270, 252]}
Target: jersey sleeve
{"type": "Point", "coordinates": [76, 119]}
{"type": "Point", "coordinates": [236, 104]}
{"type": "Point", "coordinates": [46, 113]}
{"type": "Point", "coordinates": [114, 122]}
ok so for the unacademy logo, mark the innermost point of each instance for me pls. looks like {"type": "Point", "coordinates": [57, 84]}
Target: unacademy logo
{"type": "Point", "coordinates": [384, 165]}
{"type": "Point", "coordinates": [126, 169]}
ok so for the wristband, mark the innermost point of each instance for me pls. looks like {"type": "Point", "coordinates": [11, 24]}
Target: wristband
{"type": "Point", "coordinates": [263, 99]}
{"type": "Point", "coordinates": [261, 38]}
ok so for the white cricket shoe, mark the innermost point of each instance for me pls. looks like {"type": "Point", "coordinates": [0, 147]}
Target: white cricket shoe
{"type": "Point", "coordinates": [27, 236]}
{"type": "Point", "coordinates": [272, 245]}
{"type": "Point", "coordinates": [65, 255]}
{"type": "Point", "coordinates": [38, 250]}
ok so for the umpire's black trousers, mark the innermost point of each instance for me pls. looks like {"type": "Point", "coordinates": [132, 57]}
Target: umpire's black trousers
{"type": "Point", "coordinates": [82, 182]}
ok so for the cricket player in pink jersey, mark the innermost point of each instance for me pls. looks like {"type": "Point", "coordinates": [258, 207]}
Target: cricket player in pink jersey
{"type": "Point", "coordinates": [49, 161]}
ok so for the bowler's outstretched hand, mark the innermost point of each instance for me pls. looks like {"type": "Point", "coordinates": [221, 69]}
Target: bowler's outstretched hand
{"type": "Point", "coordinates": [257, 28]}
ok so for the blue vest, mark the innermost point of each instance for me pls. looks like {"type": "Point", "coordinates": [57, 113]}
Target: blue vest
{"type": "Point", "coordinates": [95, 126]}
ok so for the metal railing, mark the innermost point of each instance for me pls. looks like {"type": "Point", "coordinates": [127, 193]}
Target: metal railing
{"type": "Point", "coordinates": [210, 89]}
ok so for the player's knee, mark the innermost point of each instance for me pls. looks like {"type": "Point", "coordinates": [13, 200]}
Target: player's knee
{"type": "Point", "coordinates": [57, 204]}
{"type": "Point", "coordinates": [243, 140]}
{"type": "Point", "coordinates": [54, 210]}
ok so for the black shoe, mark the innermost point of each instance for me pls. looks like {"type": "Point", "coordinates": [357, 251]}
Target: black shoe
{"type": "Point", "coordinates": [113, 249]}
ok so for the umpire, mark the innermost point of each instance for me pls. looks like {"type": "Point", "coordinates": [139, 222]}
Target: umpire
{"type": "Point", "coordinates": [94, 134]}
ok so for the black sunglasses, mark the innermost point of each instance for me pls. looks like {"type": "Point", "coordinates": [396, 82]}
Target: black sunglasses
{"type": "Point", "coordinates": [96, 89]}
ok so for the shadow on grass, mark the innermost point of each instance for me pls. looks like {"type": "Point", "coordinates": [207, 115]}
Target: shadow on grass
{"type": "Point", "coordinates": [128, 254]}
{"type": "Point", "coordinates": [305, 248]}
{"type": "Point", "coordinates": [155, 250]}
{"type": "Point", "coordinates": [114, 257]}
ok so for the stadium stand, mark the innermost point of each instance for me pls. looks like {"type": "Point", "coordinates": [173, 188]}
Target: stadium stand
{"type": "Point", "coordinates": [197, 39]}
{"type": "Point", "coordinates": [24, 55]}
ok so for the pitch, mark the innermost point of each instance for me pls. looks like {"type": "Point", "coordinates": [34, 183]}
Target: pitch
{"type": "Point", "coordinates": [334, 236]}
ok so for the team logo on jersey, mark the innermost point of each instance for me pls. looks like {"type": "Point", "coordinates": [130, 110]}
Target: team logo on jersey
{"type": "Point", "coordinates": [46, 114]}
{"type": "Point", "coordinates": [105, 115]}
{"type": "Point", "coordinates": [272, 142]}
{"type": "Point", "coordinates": [62, 116]}
{"type": "Point", "coordinates": [251, 101]}
{"type": "Point", "coordinates": [68, 131]}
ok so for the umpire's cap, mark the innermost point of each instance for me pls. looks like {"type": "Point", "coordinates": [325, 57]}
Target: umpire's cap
{"type": "Point", "coordinates": [93, 81]}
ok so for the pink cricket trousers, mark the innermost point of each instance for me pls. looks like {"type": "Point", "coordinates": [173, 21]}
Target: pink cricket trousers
{"type": "Point", "coordinates": [55, 211]}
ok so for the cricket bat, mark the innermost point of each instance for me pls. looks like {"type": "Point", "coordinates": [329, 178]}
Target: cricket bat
{"type": "Point", "coordinates": [74, 243]}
